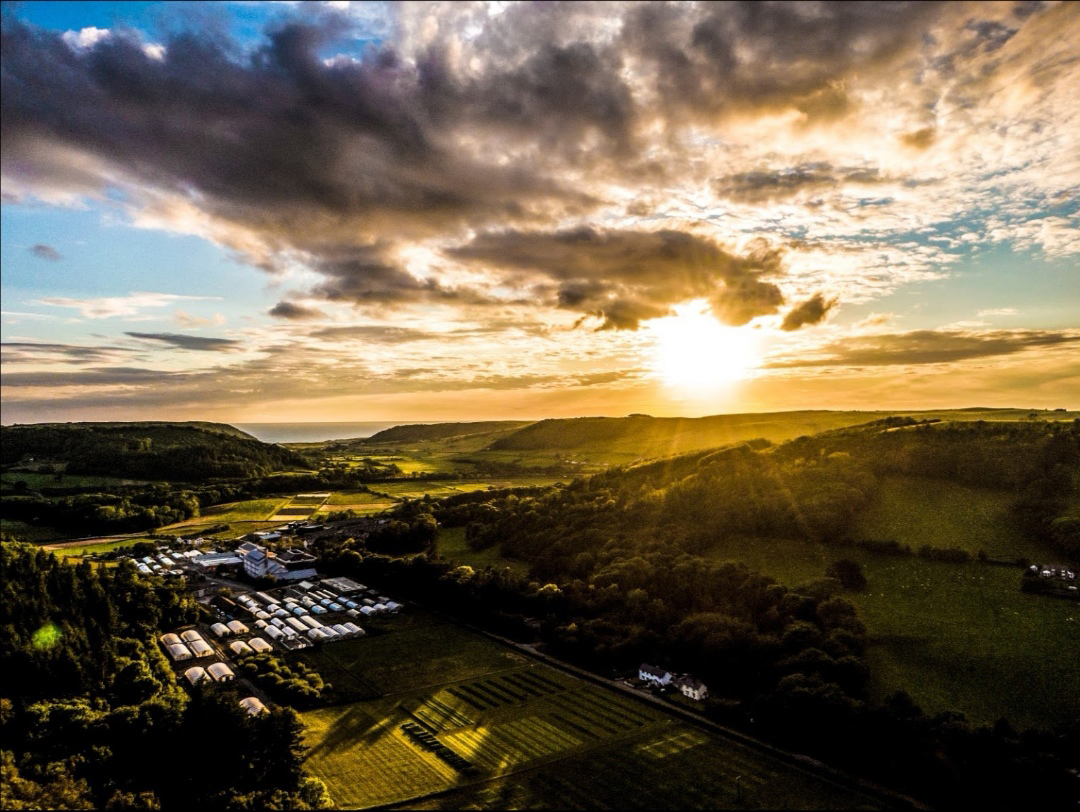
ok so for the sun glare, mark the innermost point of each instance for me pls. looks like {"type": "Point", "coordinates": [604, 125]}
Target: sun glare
{"type": "Point", "coordinates": [694, 352]}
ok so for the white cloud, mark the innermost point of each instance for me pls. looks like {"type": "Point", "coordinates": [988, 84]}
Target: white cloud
{"type": "Point", "coordinates": [110, 307]}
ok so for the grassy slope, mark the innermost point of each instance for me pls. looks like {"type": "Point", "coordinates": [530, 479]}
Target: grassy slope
{"type": "Point", "coordinates": [663, 436]}
{"type": "Point", "coordinates": [944, 514]}
{"type": "Point", "coordinates": [414, 433]}
{"type": "Point", "coordinates": [955, 636]}
{"type": "Point", "coordinates": [451, 545]}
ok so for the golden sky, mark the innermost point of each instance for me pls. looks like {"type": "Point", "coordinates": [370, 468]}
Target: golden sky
{"type": "Point", "coordinates": [441, 211]}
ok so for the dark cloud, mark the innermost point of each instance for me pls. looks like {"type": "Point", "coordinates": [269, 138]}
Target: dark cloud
{"type": "Point", "coordinates": [324, 160]}
{"type": "Point", "coordinates": [100, 376]}
{"type": "Point", "coordinates": [764, 186]}
{"type": "Point", "coordinates": [375, 334]}
{"type": "Point", "coordinates": [26, 351]}
{"type": "Point", "coordinates": [812, 311]}
{"type": "Point", "coordinates": [295, 312]}
{"type": "Point", "coordinates": [626, 277]}
{"type": "Point", "coordinates": [757, 56]}
{"type": "Point", "coordinates": [930, 347]}
{"type": "Point", "coordinates": [186, 342]}
{"type": "Point", "coordinates": [919, 139]}
{"type": "Point", "coordinates": [43, 251]}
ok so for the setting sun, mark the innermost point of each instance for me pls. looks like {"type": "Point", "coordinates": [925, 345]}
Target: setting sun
{"type": "Point", "coordinates": [694, 351]}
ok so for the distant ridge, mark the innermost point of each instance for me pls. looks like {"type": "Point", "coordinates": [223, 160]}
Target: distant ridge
{"type": "Point", "coordinates": [419, 432]}
{"type": "Point", "coordinates": [663, 436]}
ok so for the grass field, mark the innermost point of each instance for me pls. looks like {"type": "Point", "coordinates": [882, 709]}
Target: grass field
{"type": "Point", "coordinates": [546, 738]}
{"type": "Point", "coordinates": [249, 510]}
{"type": "Point", "coordinates": [99, 547]}
{"type": "Point", "coordinates": [963, 637]}
{"type": "Point", "coordinates": [955, 636]}
{"type": "Point", "coordinates": [29, 532]}
{"type": "Point", "coordinates": [63, 481]}
{"type": "Point", "coordinates": [451, 545]}
{"type": "Point", "coordinates": [943, 514]}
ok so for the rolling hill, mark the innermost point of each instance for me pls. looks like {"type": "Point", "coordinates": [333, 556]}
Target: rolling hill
{"type": "Point", "coordinates": [145, 450]}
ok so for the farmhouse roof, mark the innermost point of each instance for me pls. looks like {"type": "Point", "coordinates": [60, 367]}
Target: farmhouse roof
{"type": "Point", "coordinates": [689, 682]}
{"type": "Point", "coordinates": [656, 671]}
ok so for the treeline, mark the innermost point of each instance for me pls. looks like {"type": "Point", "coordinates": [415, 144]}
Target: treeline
{"type": "Point", "coordinates": [157, 451]}
{"type": "Point", "coordinates": [132, 510]}
{"type": "Point", "coordinates": [91, 716]}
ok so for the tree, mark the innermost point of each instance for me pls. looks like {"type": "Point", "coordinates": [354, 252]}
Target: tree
{"type": "Point", "coordinates": [849, 573]}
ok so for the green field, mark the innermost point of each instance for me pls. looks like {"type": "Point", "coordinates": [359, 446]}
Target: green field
{"type": "Point", "coordinates": [943, 514]}
{"type": "Point", "coordinates": [35, 481]}
{"type": "Point", "coordinates": [29, 532]}
{"type": "Point", "coordinates": [566, 743]}
{"type": "Point", "coordinates": [249, 510]}
{"type": "Point", "coordinates": [954, 636]}
{"type": "Point", "coordinates": [451, 545]}
{"type": "Point", "coordinates": [351, 498]}
{"type": "Point", "coordinates": [100, 547]}
{"type": "Point", "coordinates": [963, 637]}
{"type": "Point", "coordinates": [252, 513]}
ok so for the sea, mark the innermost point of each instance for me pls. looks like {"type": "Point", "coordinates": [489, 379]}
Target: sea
{"type": "Point", "coordinates": [311, 432]}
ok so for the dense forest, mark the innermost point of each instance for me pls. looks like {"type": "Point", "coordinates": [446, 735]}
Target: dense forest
{"type": "Point", "coordinates": [179, 452]}
{"type": "Point", "coordinates": [91, 716]}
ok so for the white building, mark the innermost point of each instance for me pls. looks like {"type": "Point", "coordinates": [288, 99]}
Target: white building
{"type": "Point", "coordinates": [178, 651]}
{"type": "Point", "coordinates": [195, 675]}
{"type": "Point", "coordinates": [253, 705]}
{"type": "Point", "coordinates": [221, 672]}
{"type": "Point", "coordinates": [692, 687]}
{"type": "Point", "coordinates": [654, 675]}
{"type": "Point", "coordinates": [239, 648]}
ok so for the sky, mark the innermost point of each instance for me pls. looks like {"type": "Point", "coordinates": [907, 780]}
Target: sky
{"type": "Point", "coordinates": [333, 211]}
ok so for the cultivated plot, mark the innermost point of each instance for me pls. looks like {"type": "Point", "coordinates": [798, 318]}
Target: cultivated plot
{"type": "Point", "coordinates": [501, 727]}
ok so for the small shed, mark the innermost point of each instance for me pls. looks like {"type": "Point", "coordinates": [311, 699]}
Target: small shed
{"type": "Point", "coordinates": [273, 632]}
{"type": "Point", "coordinates": [316, 634]}
{"type": "Point", "coordinates": [343, 630]}
{"type": "Point", "coordinates": [221, 672]}
{"type": "Point", "coordinates": [195, 675]}
{"type": "Point", "coordinates": [239, 648]}
{"type": "Point", "coordinates": [236, 627]}
{"type": "Point", "coordinates": [354, 630]}
{"type": "Point", "coordinates": [170, 639]}
{"type": "Point", "coordinates": [253, 705]}
{"type": "Point", "coordinates": [190, 636]}
{"type": "Point", "coordinates": [221, 630]}
{"type": "Point", "coordinates": [178, 651]}
{"type": "Point", "coordinates": [258, 644]}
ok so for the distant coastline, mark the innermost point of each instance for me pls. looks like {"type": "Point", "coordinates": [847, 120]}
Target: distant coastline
{"type": "Point", "coordinates": [310, 432]}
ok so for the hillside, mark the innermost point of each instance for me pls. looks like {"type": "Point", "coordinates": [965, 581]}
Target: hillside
{"type": "Point", "coordinates": [644, 436]}
{"type": "Point", "coordinates": [151, 450]}
{"type": "Point", "coordinates": [423, 432]}
{"type": "Point", "coordinates": [936, 516]}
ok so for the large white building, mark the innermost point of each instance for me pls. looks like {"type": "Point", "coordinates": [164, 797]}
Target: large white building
{"type": "Point", "coordinates": [287, 566]}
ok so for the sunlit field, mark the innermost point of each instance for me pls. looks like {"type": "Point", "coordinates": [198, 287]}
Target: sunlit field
{"type": "Point", "coordinates": [557, 741]}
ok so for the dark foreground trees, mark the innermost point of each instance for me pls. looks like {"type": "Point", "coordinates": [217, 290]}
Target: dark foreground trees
{"type": "Point", "coordinates": [91, 717]}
